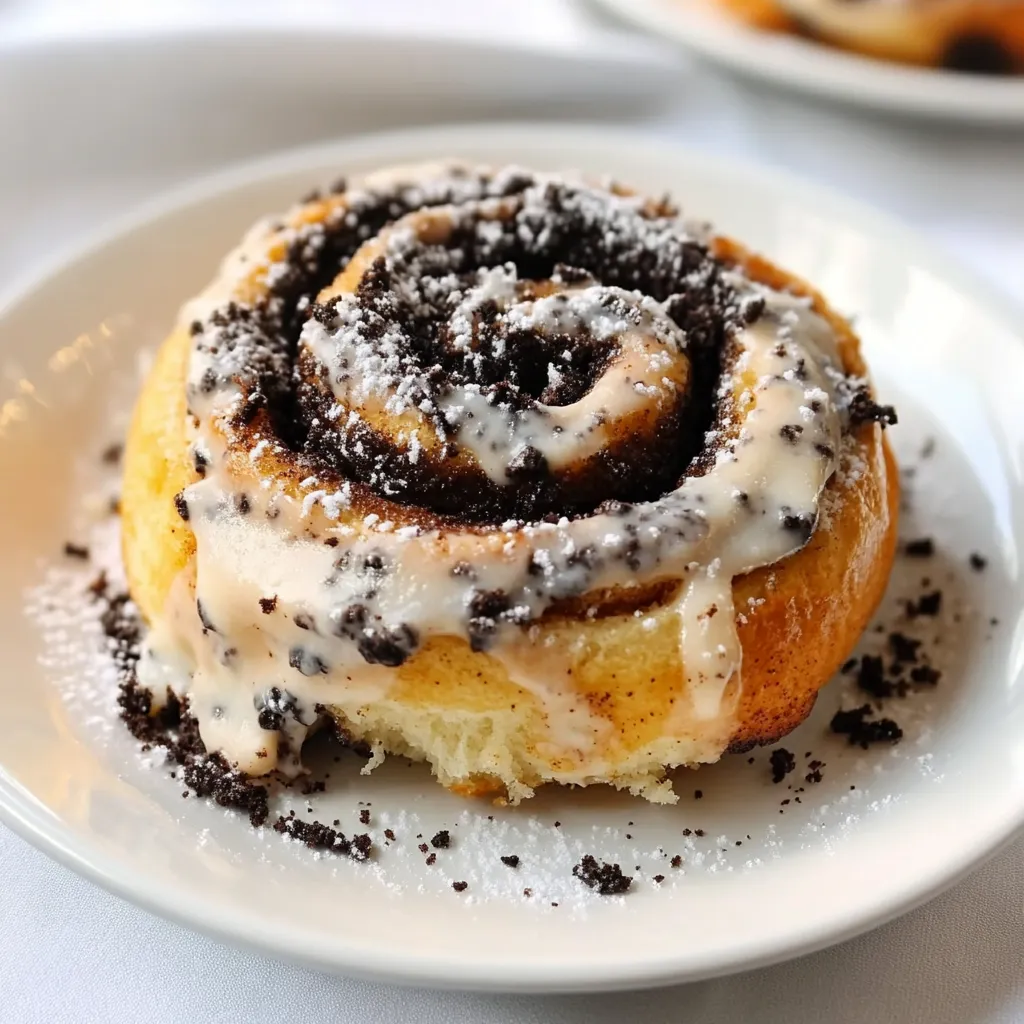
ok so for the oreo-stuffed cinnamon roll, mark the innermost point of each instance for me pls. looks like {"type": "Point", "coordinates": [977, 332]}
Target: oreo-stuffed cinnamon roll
{"type": "Point", "coordinates": [508, 472]}
{"type": "Point", "coordinates": [978, 36]}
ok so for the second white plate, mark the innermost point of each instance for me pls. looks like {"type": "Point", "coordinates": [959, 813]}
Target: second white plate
{"type": "Point", "coordinates": [824, 71]}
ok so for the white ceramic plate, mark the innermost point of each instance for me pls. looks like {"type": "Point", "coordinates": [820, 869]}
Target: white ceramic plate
{"type": "Point", "coordinates": [824, 71]}
{"type": "Point", "coordinates": [884, 830]}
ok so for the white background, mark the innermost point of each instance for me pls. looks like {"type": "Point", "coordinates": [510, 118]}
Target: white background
{"type": "Point", "coordinates": [69, 952]}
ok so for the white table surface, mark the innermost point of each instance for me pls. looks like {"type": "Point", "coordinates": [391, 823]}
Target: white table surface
{"type": "Point", "coordinates": [70, 952]}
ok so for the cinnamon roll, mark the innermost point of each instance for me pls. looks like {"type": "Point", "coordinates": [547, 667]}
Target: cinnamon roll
{"type": "Point", "coordinates": [980, 36]}
{"type": "Point", "coordinates": [515, 473]}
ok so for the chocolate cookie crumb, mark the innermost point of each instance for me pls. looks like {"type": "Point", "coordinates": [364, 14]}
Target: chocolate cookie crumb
{"type": "Point", "coordinates": [460, 886]}
{"type": "Point", "coordinates": [927, 604]}
{"type": "Point", "coordinates": [861, 730]}
{"type": "Point", "coordinates": [268, 604]}
{"type": "Point", "coordinates": [181, 505]}
{"type": "Point", "coordinates": [782, 762]}
{"type": "Point", "coordinates": [364, 817]}
{"type": "Point", "coordinates": [864, 409]}
{"type": "Point", "coordinates": [978, 562]}
{"type": "Point", "coordinates": [442, 840]}
{"type": "Point", "coordinates": [76, 551]}
{"type": "Point", "coordinates": [676, 861]}
{"type": "Point", "coordinates": [904, 648]}
{"type": "Point", "coordinates": [659, 879]}
{"type": "Point", "coordinates": [213, 777]}
{"type": "Point", "coordinates": [925, 674]}
{"type": "Point", "coordinates": [431, 860]}
{"type": "Point", "coordinates": [512, 860]}
{"type": "Point", "coordinates": [871, 677]}
{"type": "Point", "coordinates": [606, 878]}
{"type": "Point", "coordinates": [322, 837]}
{"type": "Point", "coordinates": [388, 834]}
{"type": "Point", "coordinates": [978, 53]}
{"type": "Point", "coordinates": [698, 794]}
{"type": "Point", "coordinates": [923, 548]}
{"type": "Point", "coordinates": [423, 848]}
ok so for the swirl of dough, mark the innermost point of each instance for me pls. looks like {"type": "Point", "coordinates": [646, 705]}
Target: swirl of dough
{"type": "Point", "coordinates": [430, 417]}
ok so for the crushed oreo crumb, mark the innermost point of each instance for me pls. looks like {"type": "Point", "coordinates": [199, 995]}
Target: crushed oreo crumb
{"type": "Point", "coordinates": [322, 837]}
{"type": "Point", "coordinates": [864, 409]}
{"type": "Point", "coordinates": [606, 878]}
{"type": "Point", "coordinates": [782, 762]}
{"type": "Point", "coordinates": [927, 604]}
{"type": "Point", "coordinates": [863, 730]}
{"type": "Point", "coordinates": [923, 548]}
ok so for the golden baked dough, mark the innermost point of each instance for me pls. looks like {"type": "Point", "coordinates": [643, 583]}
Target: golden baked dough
{"type": "Point", "coordinates": [618, 649]}
{"type": "Point", "coordinates": [981, 36]}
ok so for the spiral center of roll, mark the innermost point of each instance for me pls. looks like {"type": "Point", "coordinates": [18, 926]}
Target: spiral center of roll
{"type": "Point", "coordinates": [471, 389]}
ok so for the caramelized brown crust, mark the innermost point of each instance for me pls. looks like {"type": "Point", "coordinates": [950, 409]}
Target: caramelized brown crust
{"type": "Point", "coordinates": [798, 619]}
{"type": "Point", "coordinates": [983, 36]}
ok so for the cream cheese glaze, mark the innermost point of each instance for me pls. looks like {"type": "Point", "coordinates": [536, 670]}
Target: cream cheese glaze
{"type": "Point", "coordinates": [299, 597]}
{"type": "Point", "coordinates": [864, 19]}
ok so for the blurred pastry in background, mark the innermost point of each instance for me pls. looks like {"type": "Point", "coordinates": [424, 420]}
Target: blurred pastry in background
{"type": "Point", "coordinates": [978, 36]}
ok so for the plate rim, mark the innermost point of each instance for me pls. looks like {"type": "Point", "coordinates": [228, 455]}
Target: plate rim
{"type": "Point", "coordinates": [30, 820]}
{"type": "Point", "coordinates": [826, 72]}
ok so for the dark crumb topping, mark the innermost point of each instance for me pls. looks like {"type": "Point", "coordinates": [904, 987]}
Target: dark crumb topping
{"type": "Point", "coordinates": [979, 53]}
{"type": "Point", "coordinates": [923, 548]}
{"type": "Point", "coordinates": [78, 551]}
{"type": "Point", "coordinates": [864, 409]}
{"type": "Point", "coordinates": [511, 860]}
{"type": "Point", "coordinates": [782, 762]}
{"type": "Point", "coordinates": [606, 878]}
{"type": "Point", "coordinates": [927, 604]}
{"type": "Point", "coordinates": [364, 817]}
{"type": "Point", "coordinates": [322, 837]}
{"type": "Point", "coordinates": [549, 230]}
{"type": "Point", "coordinates": [388, 834]}
{"type": "Point", "coordinates": [460, 886]}
{"type": "Point", "coordinates": [442, 840]}
{"type": "Point", "coordinates": [862, 730]}
{"type": "Point", "coordinates": [676, 861]}
{"type": "Point", "coordinates": [871, 677]}
{"type": "Point", "coordinates": [978, 562]}
{"type": "Point", "coordinates": [659, 879]}
{"type": "Point", "coordinates": [181, 505]}
{"type": "Point", "coordinates": [268, 604]}
{"type": "Point", "coordinates": [213, 777]}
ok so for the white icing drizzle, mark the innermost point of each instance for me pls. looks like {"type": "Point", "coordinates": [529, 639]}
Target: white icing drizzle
{"type": "Point", "coordinates": [864, 20]}
{"type": "Point", "coordinates": [287, 622]}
